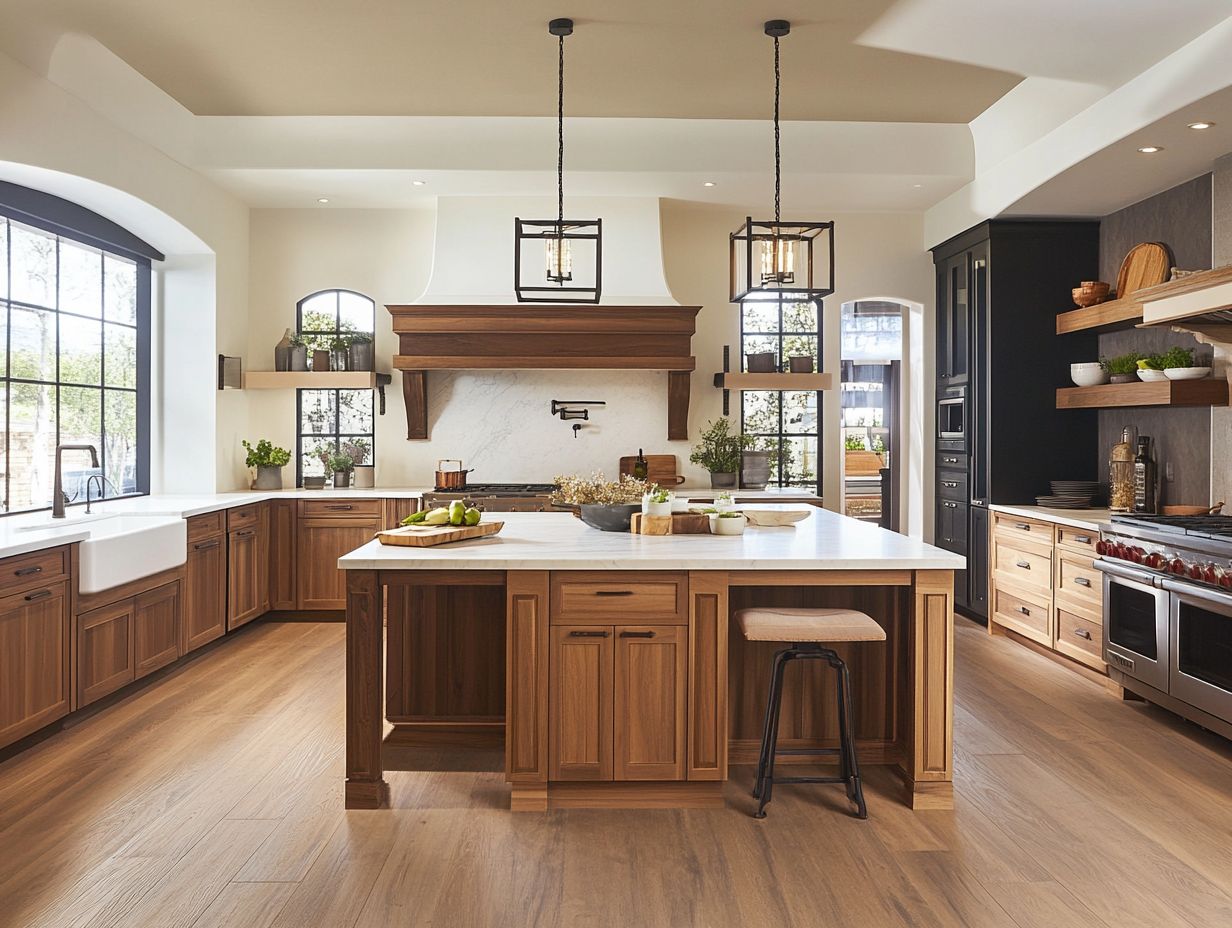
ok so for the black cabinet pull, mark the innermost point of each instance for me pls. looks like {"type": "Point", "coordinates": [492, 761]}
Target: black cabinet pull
{"type": "Point", "coordinates": [345, 506]}
{"type": "Point", "coordinates": [1082, 581]}
{"type": "Point", "coordinates": [588, 634]}
{"type": "Point", "coordinates": [37, 594]}
{"type": "Point", "coordinates": [1022, 526]}
{"type": "Point", "coordinates": [1023, 564]}
{"type": "Point", "coordinates": [613, 592]}
{"type": "Point", "coordinates": [203, 545]}
{"type": "Point", "coordinates": [1024, 610]}
{"type": "Point", "coordinates": [1082, 633]}
{"type": "Point", "coordinates": [637, 634]}
{"type": "Point", "coordinates": [28, 571]}
{"type": "Point", "coordinates": [246, 533]}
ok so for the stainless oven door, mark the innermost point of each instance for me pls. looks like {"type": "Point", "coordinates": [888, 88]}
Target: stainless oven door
{"type": "Point", "coordinates": [1136, 639]}
{"type": "Point", "coordinates": [1201, 667]}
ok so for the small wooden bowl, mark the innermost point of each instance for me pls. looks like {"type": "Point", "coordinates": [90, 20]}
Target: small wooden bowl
{"type": "Point", "coordinates": [1090, 293]}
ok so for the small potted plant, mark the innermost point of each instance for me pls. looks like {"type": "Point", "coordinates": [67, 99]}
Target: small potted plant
{"type": "Point", "coordinates": [360, 353]}
{"type": "Point", "coordinates": [658, 502]}
{"type": "Point", "coordinates": [755, 465]}
{"type": "Point", "coordinates": [341, 465]}
{"type": "Point", "coordinates": [358, 450]}
{"type": "Point", "coordinates": [268, 460]}
{"type": "Point", "coordinates": [339, 348]}
{"type": "Point", "coordinates": [299, 352]}
{"type": "Point", "coordinates": [724, 503]}
{"type": "Point", "coordinates": [1123, 368]}
{"type": "Point", "coordinates": [730, 522]}
{"type": "Point", "coordinates": [719, 452]}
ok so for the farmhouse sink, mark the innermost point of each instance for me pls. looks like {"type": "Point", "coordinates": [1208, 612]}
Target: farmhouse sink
{"type": "Point", "coordinates": [123, 548]}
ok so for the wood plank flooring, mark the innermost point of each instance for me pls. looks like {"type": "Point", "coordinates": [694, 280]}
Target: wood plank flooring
{"type": "Point", "coordinates": [213, 798]}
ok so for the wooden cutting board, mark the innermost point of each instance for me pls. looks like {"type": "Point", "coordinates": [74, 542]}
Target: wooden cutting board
{"type": "Point", "coordinates": [660, 469]}
{"type": "Point", "coordinates": [683, 523]}
{"type": "Point", "coordinates": [415, 536]}
{"type": "Point", "coordinates": [1145, 266]}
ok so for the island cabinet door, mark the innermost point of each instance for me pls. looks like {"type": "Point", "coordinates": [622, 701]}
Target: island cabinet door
{"type": "Point", "coordinates": [580, 703]}
{"type": "Point", "coordinates": [649, 712]}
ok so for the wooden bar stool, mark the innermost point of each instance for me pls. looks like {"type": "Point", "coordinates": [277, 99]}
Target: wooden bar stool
{"type": "Point", "coordinates": [808, 630]}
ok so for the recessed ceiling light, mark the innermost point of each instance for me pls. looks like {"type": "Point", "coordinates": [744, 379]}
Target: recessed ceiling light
{"type": "Point", "coordinates": [917, 186]}
{"type": "Point", "coordinates": [418, 183]}
{"type": "Point", "coordinates": [1150, 149]}
{"type": "Point", "coordinates": [322, 199]}
{"type": "Point", "coordinates": [1201, 125]}
{"type": "Point", "coordinates": [707, 183]}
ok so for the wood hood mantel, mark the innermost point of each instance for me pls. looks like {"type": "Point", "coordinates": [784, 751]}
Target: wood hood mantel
{"type": "Point", "coordinates": [529, 336]}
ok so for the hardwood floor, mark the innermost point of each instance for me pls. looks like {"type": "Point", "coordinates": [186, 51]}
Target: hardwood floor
{"type": "Point", "coordinates": [213, 797]}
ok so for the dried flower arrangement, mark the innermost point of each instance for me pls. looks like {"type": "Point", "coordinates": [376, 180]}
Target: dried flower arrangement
{"type": "Point", "coordinates": [575, 490]}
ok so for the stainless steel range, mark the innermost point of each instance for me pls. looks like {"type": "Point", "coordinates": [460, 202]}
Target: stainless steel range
{"type": "Point", "coordinates": [1168, 612]}
{"type": "Point", "coordinates": [497, 497]}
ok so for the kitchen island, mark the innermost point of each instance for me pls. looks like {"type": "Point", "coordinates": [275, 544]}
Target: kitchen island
{"type": "Point", "coordinates": [623, 683]}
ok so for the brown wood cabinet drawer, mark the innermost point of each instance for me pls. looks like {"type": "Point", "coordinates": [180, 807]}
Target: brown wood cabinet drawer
{"type": "Point", "coordinates": [608, 597]}
{"type": "Point", "coordinates": [1021, 568]}
{"type": "Point", "coordinates": [1016, 528]}
{"type": "Point", "coordinates": [1079, 582]}
{"type": "Point", "coordinates": [1080, 638]}
{"type": "Point", "coordinates": [37, 569]}
{"type": "Point", "coordinates": [243, 516]}
{"type": "Point", "coordinates": [1026, 615]}
{"type": "Point", "coordinates": [1078, 540]}
{"type": "Point", "coordinates": [206, 526]}
{"type": "Point", "coordinates": [334, 508]}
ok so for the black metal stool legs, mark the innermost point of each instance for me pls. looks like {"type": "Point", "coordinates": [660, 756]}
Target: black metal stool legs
{"type": "Point", "coordinates": [849, 771]}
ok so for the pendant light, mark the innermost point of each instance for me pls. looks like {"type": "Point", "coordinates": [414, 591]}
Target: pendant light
{"type": "Point", "coordinates": [774, 259]}
{"type": "Point", "coordinates": [569, 269]}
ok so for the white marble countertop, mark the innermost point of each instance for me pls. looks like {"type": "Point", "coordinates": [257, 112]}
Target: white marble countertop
{"type": "Point", "coordinates": [1075, 518]}
{"type": "Point", "coordinates": [558, 541]}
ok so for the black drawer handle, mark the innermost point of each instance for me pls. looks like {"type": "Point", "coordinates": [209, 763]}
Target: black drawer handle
{"type": "Point", "coordinates": [637, 634]}
{"type": "Point", "coordinates": [1022, 526]}
{"type": "Point", "coordinates": [1083, 539]}
{"type": "Point", "coordinates": [1024, 610]}
{"type": "Point", "coordinates": [27, 571]}
{"type": "Point", "coordinates": [1082, 633]}
{"type": "Point", "coordinates": [613, 592]}
{"type": "Point", "coordinates": [204, 545]}
{"type": "Point", "coordinates": [1023, 564]}
{"type": "Point", "coordinates": [344, 506]}
{"type": "Point", "coordinates": [588, 634]}
{"type": "Point", "coordinates": [246, 533]}
{"type": "Point", "coordinates": [1082, 581]}
{"type": "Point", "coordinates": [37, 594]}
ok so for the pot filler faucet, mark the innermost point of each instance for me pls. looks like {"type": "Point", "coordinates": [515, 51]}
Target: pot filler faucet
{"type": "Point", "coordinates": [57, 493]}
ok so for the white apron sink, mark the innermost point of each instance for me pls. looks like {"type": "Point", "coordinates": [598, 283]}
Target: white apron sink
{"type": "Point", "coordinates": [123, 548]}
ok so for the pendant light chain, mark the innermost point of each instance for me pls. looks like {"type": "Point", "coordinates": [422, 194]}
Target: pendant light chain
{"type": "Point", "coordinates": [560, 140]}
{"type": "Point", "coordinates": [777, 134]}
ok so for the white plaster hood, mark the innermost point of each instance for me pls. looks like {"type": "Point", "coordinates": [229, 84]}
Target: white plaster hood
{"type": "Point", "coordinates": [472, 255]}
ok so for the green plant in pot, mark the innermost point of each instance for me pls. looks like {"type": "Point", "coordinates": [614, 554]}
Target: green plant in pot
{"type": "Point", "coordinates": [341, 465]}
{"type": "Point", "coordinates": [1123, 368]}
{"type": "Point", "coordinates": [268, 460]}
{"type": "Point", "coordinates": [719, 452]}
{"type": "Point", "coordinates": [359, 451]}
{"type": "Point", "coordinates": [339, 351]}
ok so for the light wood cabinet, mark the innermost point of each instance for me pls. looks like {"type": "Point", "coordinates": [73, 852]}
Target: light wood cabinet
{"type": "Point", "coordinates": [205, 587]}
{"type": "Point", "coordinates": [156, 628]}
{"type": "Point", "coordinates": [34, 655]}
{"type": "Point", "coordinates": [326, 531]}
{"type": "Point", "coordinates": [282, 554]}
{"type": "Point", "coordinates": [104, 651]}
{"type": "Point", "coordinates": [247, 565]}
{"type": "Point", "coordinates": [580, 669]}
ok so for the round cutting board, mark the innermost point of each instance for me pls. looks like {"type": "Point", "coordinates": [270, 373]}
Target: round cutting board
{"type": "Point", "coordinates": [1145, 266]}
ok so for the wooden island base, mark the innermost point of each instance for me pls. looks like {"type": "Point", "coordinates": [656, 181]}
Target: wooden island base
{"type": "Point", "coordinates": [631, 689]}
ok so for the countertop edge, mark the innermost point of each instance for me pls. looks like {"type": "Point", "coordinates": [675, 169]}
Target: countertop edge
{"type": "Point", "coordinates": [1092, 520]}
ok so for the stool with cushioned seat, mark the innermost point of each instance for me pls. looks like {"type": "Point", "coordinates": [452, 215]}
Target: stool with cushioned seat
{"type": "Point", "coordinates": [808, 630]}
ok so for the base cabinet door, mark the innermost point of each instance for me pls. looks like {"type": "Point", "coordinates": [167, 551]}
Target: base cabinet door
{"type": "Point", "coordinates": [34, 660]}
{"type": "Point", "coordinates": [283, 517]}
{"type": "Point", "coordinates": [247, 576]}
{"type": "Point", "coordinates": [205, 592]}
{"type": "Point", "coordinates": [651, 669]}
{"type": "Point", "coordinates": [156, 628]}
{"type": "Point", "coordinates": [104, 651]}
{"type": "Point", "coordinates": [321, 541]}
{"type": "Point", "coordinates": [580, 667]}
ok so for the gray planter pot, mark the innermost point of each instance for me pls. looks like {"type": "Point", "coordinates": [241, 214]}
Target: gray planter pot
{"type": "Point", "coordinates": [299, 358]}
{"type": "Point", "coordinates": [268, 478]}
{"type": "Point", "coordinates": [360, 356]}
{"type": "Point", "coordinates": [762, 362]}
{"type": "Point", "coordinates": [314, 483]}
{"type": "Point", "coordinates": [755, 469]}
{"type": "Point", "coordinates": [365, 476]}
{"type": "Point", "coordinates": [722, 481]}
{"type": "Point", "coordinates": [342, 479]}
{"type": "Point", "coordinates": [609, 518]}
{"type": "Point", "coordinates": [337, 359]}
{"type": "Point", "coordinates": [282, 358]}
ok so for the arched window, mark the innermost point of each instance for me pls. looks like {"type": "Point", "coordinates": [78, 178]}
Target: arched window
{"type": "Point", "coordinates": [333, 422]}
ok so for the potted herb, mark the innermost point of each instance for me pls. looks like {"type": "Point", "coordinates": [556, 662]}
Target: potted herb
{"type": "Point", "coordinates": [719, 452]}
{"type": "Point", "coordinates": [600, 503]}
{"type": "Point", "coordinates": [269, 461]}
{"type": "Point", "coordinates": [339, 348]}
{"type": "Point", "coordinates": [341, 465]}
{"type": "Point", "coordinates": [299, 352]}
{"type": "Point", "coordinates": [728, 523]}
{"type": "Point", "coordinates": [1123, 368]}
{"type": "Point", "coordinates": [360, 353]}
{"type": "Point", "coordinates": [658, 502]}
{"type": "Point", "coordinates": [358, 450]}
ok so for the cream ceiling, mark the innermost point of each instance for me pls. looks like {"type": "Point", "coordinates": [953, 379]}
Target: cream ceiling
{"type": "Point", "coordinates": [666, 58]}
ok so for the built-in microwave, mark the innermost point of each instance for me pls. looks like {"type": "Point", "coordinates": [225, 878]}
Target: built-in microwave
{"type": "Point", "coordinates": [952, 420]}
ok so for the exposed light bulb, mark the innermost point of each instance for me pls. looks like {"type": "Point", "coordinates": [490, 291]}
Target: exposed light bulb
{"type": "Point", "coordinates": [778, 260]}
{"type": "Point", "coordinates": [559, 257]}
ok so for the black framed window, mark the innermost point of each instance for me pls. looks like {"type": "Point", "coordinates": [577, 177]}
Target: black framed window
{"type": "Point", "coordinates": [333, 421]}
{"type": "Point", "coordinates": [75, 324]}
{"type": "Point", "coordinates": [784, 422]}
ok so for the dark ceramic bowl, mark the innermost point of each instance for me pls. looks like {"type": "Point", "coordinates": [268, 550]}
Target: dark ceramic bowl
{"type": "Point", "coordinates": [609, 518]}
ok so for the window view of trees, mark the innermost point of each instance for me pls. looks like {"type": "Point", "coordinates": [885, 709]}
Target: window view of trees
{"type": "Point", "coordinates": [784, 423]}
{"type": "Point", "coordinates": [333, 421]}
{"type": "Point", "coordinates": [68, 319]}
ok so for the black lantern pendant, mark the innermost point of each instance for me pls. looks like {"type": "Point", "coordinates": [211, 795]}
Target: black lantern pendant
{"type": "Point", "coordinates": [571, 270]}
{"type": "Point", "coordinates": [774, 258]}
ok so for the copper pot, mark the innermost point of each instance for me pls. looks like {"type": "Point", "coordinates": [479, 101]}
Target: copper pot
{"type": "Point", "coordinates": [452, 479]}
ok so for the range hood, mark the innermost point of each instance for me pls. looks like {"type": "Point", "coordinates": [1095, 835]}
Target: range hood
{"type": "Point", "coordinates": [468, 317]}
{"type": "Point", "coordinates": [1204, 298]}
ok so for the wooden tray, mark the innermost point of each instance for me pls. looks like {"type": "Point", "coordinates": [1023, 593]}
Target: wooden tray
{"type": "Point", "coordinates": [1146, 265]}
{"type": "Point", "coordinates": [660, 469]}
{"type": "Point", "coordinates": [416, 536]}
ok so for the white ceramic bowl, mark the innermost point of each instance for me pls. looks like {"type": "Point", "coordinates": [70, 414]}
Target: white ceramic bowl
{"type": "Point", "coordinates": [1187, 373]}
{"type": "Point", "coordinates": [729, 526]}
{"type": "Point", "coordinates": [1088, 374]}
{"type": "Point", "coordinates": [1150, 376]}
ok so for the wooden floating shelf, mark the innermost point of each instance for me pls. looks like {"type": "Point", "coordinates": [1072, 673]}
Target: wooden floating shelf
{"type": "Point", "coordinates": [1102, 317]}
{"type": "Point", "coordinates": [310, 380]}
{"type": "Point", "coordinates": [1207, 291]}
{"type": "Point", "coordinates": [774, 381]}
{"type": "Point", "coordinates": [1208, 392]}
